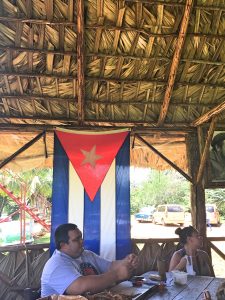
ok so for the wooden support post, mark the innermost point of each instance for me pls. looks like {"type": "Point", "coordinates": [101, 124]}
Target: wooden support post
{"type": "Point", "coordinates": [80, 60]}
{"type": "Point", "coordinates": [197, 189]}
{"type": "Point", "coordinates": [206, 149]}
{"type": "Point", "coordinates": [175, 61]}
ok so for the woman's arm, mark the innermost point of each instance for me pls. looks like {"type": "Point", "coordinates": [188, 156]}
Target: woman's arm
{"type": "Point", "coordinates": [177, 262]}
{"type": "Point", "coordinates": [206, 264]}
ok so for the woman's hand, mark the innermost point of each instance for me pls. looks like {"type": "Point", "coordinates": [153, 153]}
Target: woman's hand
{"type": "Point", "coordinates": [182, 264]}
{"type": "Point", "coordinates": [177, 262]}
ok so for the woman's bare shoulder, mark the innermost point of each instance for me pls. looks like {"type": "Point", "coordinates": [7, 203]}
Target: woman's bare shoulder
{"type": "Point", "coordinates": [178, 254]}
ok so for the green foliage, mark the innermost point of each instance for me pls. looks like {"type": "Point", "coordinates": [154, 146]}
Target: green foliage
{"type": "Point", "coordinates": [28, 185]}
{"type": "Point", "coordinates": [163, 187]}
{"type": "Point", "coordinates": [160, 187]}
{"type": "Point", "coordinates": [216, 196]}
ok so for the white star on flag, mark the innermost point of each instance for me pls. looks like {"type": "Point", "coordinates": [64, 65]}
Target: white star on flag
{"type": "Point", "coordinates": [90, 157]}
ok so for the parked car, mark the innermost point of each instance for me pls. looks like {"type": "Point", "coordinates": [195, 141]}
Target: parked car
{"type": "Point", "coordinates": [212, 214]}
{"type": "Point", "coordinates": [145, 214]}
{"type": "Point", "coordinates": [169, 214]}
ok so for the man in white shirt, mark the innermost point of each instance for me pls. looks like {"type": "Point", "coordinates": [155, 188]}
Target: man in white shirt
{"type": "Point", "coordinates": [73, 271]}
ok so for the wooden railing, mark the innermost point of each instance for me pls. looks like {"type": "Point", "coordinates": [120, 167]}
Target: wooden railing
{"type": "Point", "coordinates": [21, 266]}
{"type": "Point", "coordinates": [149, 249]}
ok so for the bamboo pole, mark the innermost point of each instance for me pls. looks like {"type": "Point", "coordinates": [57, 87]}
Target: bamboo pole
{"type": "Point", "coordinates": [206, 149]}
{"type": "Point", "coordinates": [175, 61]}
{"type": "Point", "coordinates": [80, 60]}
{"type": "Point", "coordinates": [211, 113]}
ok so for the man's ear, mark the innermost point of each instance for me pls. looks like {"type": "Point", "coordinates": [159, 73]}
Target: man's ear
{"type": "Point", "coordinates": [62, 245]}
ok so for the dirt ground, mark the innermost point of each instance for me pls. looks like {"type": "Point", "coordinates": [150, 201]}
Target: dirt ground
{"type": "Point", "coordinates": [149, 230]}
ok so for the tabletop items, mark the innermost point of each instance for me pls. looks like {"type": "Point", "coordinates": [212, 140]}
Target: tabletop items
{"type": "Point", "coordinates": [179, 277]}
{"type": "Point", "coordinates": [206, 295]}
{"type": "Point", "coordinates": [196, 287]}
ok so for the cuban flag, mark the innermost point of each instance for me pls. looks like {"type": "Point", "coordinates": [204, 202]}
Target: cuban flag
{"type": "Point", "coordinates": [91, 188]}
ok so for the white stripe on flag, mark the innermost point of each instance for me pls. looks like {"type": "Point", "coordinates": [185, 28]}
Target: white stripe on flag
{"type": "Point", "coordinates": [76, 199]}
{"type": "Point", "coordinates": [108, 215]}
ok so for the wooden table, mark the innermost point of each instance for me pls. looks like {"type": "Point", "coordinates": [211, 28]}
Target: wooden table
{"type": "Point", "coordinates": [191, 291]}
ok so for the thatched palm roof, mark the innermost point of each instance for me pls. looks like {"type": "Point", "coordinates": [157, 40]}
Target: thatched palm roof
{"type": "Point", "coordinates": [136, 63]}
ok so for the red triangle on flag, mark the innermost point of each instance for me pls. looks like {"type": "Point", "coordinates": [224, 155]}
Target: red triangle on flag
{"type": "Point", "coordinates": [91, 154]}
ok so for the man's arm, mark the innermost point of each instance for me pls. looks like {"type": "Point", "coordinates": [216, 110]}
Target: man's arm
{"type": "Point", "coordinates": [97, 283]}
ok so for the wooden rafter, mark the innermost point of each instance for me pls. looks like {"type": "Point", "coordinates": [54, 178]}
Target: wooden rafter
{"type": "Point", "coordinates": [109, 55]}
{"type": "Point", "coordinates": [206, 149]}
{"type": "Point", "coordinates": [37, 97]}
{"type": "Point", "coordinates": [211, 113]}
{"type": "Point", "coordinates": [100, 122]}
{"type": "Point", "coordinates": [164, 158]}
{"type": "Point", "coordinates": [80, 60]}
{"type": "Point", "coordinates": [42, 97]}
{"type": "Point", "coordinates": [175, 61]}
{"type": "Point", "coordinates": [22, 149]}
{"type": "Point", "coordinates": [114, 80]}
{"type": "Point", "coordinates": [109, 28]}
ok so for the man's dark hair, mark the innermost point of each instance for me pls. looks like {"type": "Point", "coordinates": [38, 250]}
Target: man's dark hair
{"type": "Point", "coordinates": [61, 234]}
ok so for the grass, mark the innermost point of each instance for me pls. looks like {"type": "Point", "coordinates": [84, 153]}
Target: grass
{"type": "Point", "coordinates": [42, 239]}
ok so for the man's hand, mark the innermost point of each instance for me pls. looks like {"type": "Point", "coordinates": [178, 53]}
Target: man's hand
{"type": "Point", "coordinates": [124, 270]}
{"type": "Point", "coordinates": [126, 266]}
{"type": "Point", "coordinates": [132, 259]}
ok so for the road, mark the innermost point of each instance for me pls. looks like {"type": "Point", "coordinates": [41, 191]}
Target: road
{"type": "Point", "coordinates": [149, 230]}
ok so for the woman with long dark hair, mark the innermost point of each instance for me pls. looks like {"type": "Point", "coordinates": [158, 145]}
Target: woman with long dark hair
{"type": "Point", "coordinates": [190, 258]}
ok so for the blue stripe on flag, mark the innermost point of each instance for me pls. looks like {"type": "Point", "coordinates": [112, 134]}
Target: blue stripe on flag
{"type": "Point", "coordinates": [60, 189]}
{"type": "Point", "coordinates": [92, 223]}
{"type": "Point", "coordinates": [123, 240]}
{"type": "Point", "coordinates": [92, 210]}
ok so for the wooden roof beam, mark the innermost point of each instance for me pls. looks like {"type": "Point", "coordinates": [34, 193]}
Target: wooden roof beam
{"type": "Point", "coordinates": [175, 61]}
{"type": "Point", "coordinates": [206, 149]}
{"type": "Point", "coordinates": [164, 158]}
{"type": "Point", "coordinates": [88, 122]}
{"type": "Point", "coordinates": [211, 113]}
{"type": "Point", "coordinates": [171, 3]}
{"type": "Point", "coordinates": [80, 60]}
{"type": "Point", "coordinates": [36, 97]}
{"type": "Point", "coordinates": [41, 97]}
{"type": "Point", "coordinates": [22, 149]}
{"type": "Point", "coordinates": [109, 55]}
{"type": "Point", "coordinates": [114, 80]}
{"type": "Point", "coordinates": [106, 27]}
